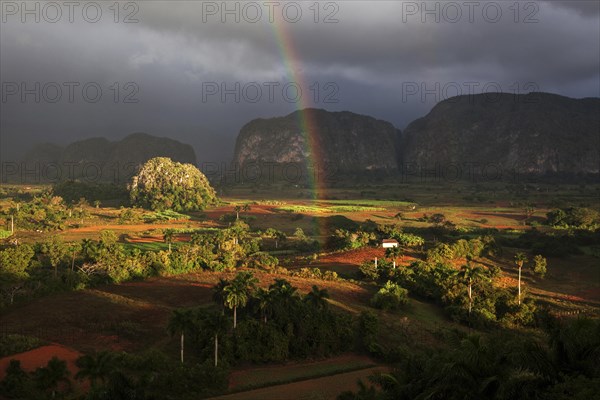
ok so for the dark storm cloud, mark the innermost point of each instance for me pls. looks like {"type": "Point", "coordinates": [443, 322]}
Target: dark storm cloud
{"type": "Point", "coordinates": [375, 51]}
{"type": "Point", "coordinates": [586, 8]}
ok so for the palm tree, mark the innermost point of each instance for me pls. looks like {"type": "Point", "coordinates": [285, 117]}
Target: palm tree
{"type": "Point", "coordinates": [520, 259]}
{"type": "Point", "coordinates": [247, 280]}
{"type": "Point", "coordinates": [237, 210]}
{"type": "Point", "coordinates": [285, 297]}
{"type": "Point", "coordinates": [282, 289]}
{"type": "Point", "coordinates": [74, 247]}
{"type": "Point", "coordinates": [216, 324]}
{"type": "Point", "coordinates": [50, 376]}
{"type": "Point", "coordinates": [95, 367]}
{"type": "Point", "coordinates": [219, 292]}
{"type": "Point", "coordinates": [168, 237]}
{"type": "Point", "coordinates": [246, 207]}
{"type": "Point", "coordinates": [263, 301]}
{"type": "Point", "coordinates": [236, 295]}
{"type": "Point", "coordinates": [317, 297]}
{"type": "Point", "coordinates": [13, 211]}
{"type": "Point", "coordinates": [180, 322]}
{"type": "Point", "coordinates": [470, 276]}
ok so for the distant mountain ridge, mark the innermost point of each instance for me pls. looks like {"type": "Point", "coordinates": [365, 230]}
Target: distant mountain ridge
{"type": "Point", "coordinates": [532, 134]}
{"type": "Point", "coordinates": [341, 141]}
{"type": "Point", "coordinates": [99, 159]}
{"type": "Point", "coordinates": [536, 133]}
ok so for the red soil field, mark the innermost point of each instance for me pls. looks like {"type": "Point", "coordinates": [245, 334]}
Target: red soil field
{"type": "Point", "coordinates": [33, 359]}
{"type": "Point", "coordinates": [354, 257]}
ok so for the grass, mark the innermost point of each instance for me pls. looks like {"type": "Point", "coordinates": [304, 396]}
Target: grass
{"type": "Point", "coordinates": [166, 215]}
{"type": "Point", "coordinates": [372, 203]}
{"type": "Point", "coordinates": [4, 234]}
{"type": "Point", "coordinates": [327, 209]}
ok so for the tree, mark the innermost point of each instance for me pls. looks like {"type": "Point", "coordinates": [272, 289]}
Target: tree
{"type": "Point", "coordinates": [246, 207]}
{"type": "Point", "coordinates": [108, 239]}
{"type": "Point", "coordinates": [285, 297]}
{"type": "Point", "coordinates": [263, 300]}
{"type": "Point", "coordinates": [237, 292]}
{"type": "Point", "coordinates": [529, 211]}
{"type": "Point", "coordinates": [218, 295]}
{"type": "Point", "coordinates": [14, 265]}
{"type": "Point", "coordinates": [237, 210]}
{"type": "Point", "coordinates": [317, 297]}
{"type": "Point", "coordinates": [168, 237]}
{"type": "Point", "coordinates": [299, 234]}
{"type": "Point", "coordinates": [82, 213]}
{"type": "Point", "coordinates": [57, 251]}
{"type": "Point", "coordinates": [216, 324]}
{"type": "Point", "coordinates": [54, 373]}
{"type": "Point", "coordinates": [180, 321]}
{"type": "Point", "coordinates": [390, 297]}
{"type": "Point", "coordinates": [470, 275]}
{"type": "Point", "coordinates": [520, 260]}
{"type": "Point", "coordinates": [275, 234]}
{"type": "Point", "coordinates": [437, 219]}
{"type": "Point", "coordinates": [539, 265]}
{"type": "Point", "coordinates": [95, 367]}
{"type": "Point", "coordinates": [393, 253]}
{"type": "Point", "coordinates": [15, 382]}
{"type": "Point", "coordinates": [74, 248]}
{"type": "Point", "coordinates": [89, 248]}
{"type": "Point", "coordinates": [13, 211]}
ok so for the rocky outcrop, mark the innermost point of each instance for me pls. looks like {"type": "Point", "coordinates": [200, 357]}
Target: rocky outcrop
{"type": "Point", "coordinates": [341, 141]}
{"type": "Point", "coordinates": [538, 133]}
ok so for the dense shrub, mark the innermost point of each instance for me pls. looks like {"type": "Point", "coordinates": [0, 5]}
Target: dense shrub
{"type": "Point", "coordinates": [390, 297]}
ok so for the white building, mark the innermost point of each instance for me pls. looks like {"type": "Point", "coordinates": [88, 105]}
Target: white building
{"type": "Point", "coordinates": [387, 243]}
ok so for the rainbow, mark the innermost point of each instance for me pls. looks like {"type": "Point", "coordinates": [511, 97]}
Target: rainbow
{"type": "Point", "coordinates": [292, 66]}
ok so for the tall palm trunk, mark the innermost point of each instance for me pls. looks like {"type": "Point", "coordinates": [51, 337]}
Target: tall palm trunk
{"type": "Point", "coordinates": [216, 350]}
{"type": "Point", "coordinates": [182, 342]}
{"type": "Point", "coordinates": [470, 298]}
{"type": "Point", "coordinates": [234, 317]}
{"type": "Point", "coordinates": [520, 266]}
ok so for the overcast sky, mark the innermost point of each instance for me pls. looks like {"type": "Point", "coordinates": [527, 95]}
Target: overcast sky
{"type": "Point", "coordinates": [389, 59]}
